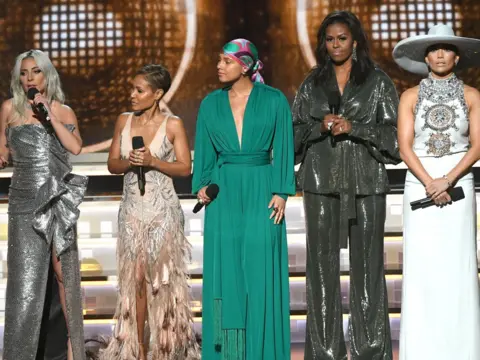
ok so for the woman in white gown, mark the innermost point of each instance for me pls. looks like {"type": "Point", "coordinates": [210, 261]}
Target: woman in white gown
{"type": "Point", "coordinates": [439, 139]}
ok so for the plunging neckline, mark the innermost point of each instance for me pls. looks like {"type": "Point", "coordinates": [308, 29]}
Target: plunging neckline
{"type": "Point", "coordinates": [154, 136]}
{"type": "Point", "coordinates": [239, 139]}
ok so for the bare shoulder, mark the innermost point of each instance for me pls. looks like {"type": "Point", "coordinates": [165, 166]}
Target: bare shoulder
{"type": "Point", "coordinates": [409, 96]}
{"type": "Point", "coordinates": [63, 112]}
{"type": "Point", "coordinates": [7, 106]}
{"type": "Point", "coordinates": [472, 95]}
{"type": "Point", "coordinates": [122, 120]}
{"type": "Point", "coordinates": [174, 123]}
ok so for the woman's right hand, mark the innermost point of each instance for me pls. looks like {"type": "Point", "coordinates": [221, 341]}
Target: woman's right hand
{"type": "Point", "coordinates": [202, 196]}
{"type": "Point", "coordinates": [443, 199]}
{"type": "Point", "coordinates": [328, 121]}
{"type": "Point", "coordinates": [3, 162]}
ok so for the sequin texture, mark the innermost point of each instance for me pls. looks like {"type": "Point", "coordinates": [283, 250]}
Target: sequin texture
{"type": "Point", "coordinates": [441, 117]}
{"type": "Point", "coordinates": [43, 210]}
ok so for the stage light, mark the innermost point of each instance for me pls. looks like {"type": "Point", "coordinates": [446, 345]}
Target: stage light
{"type": "Point", "coordinates": [79, 26]}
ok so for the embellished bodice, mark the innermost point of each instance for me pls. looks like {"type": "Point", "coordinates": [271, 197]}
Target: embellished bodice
{"type": "Point", "coordinates": [158, 186]}
{"type": "Point", "coordinates": [441, 118]}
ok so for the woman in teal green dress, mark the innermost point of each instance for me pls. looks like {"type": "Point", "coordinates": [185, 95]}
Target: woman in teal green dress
{"type": "Point", "coordinates": [244, 144]}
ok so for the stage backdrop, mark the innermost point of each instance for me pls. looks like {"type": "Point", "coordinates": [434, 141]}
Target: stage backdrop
{"type": "Point", "coordinates": [97, 45]}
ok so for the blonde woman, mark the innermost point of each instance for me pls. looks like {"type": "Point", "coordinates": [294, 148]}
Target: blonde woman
{"type": "Point", "coordinates": [38, 135]}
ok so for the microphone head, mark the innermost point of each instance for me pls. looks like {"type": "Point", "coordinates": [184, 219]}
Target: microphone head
{"type": "Point", "coordinates": [32, 92]}
{"type": "Point", "coordinates": [457, 193]}
{"type": "Point", "coordinates": [334, 102]}
{"type": "Point", "coordinates": [137, 142]}
{"type": "Point", "coordinates": [212, 191]}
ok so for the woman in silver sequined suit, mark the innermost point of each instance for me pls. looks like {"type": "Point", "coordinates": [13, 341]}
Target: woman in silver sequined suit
{"type": "Point", "coordinates": [43, 206]}
{"type": "Point", "coordinates": [152, 251]}
{"type": "Point", "coordinates": [345, 115]}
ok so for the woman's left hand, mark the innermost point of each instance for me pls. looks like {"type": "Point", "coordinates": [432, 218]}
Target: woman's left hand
{"type": "Point", "coordinates": [277, 204]}
{"type": "Point", "coordinates": [436, 187]}
{"type": "Point", "coordinates": [341, 126]}
{"type": "Point", "coordinates": [141, 157]}
{"type": "Point", "coordinates": [40, 99]}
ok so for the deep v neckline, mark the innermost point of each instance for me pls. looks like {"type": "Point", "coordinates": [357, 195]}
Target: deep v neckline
{"type": "Point", "coordinates": [154, 136]}
{"type": "Point", "coordinates": [239, 139]}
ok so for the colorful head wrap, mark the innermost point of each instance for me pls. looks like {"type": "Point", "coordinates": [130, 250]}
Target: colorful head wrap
{"type": "Point", "coordinates": [246, 54]}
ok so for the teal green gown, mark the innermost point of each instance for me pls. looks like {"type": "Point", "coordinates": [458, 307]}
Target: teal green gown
{"type": "Point", "coordinates": [246, 309]}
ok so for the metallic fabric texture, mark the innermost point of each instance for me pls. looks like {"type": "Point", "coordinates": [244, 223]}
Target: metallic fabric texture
{"type": "Point", "coordinates": [43, 210]}
{"type": "Point", "coordinates": [355, 164]}
{"type": "Point", "coordinates": [369, 327]}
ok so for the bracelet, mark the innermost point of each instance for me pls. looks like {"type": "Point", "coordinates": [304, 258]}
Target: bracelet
{"type": "Point", "coordinates": [448, 181]}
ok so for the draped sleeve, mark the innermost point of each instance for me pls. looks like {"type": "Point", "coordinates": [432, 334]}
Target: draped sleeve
{"type": "Point", "coordinates": [380, 136]}
{"type": "Point", "coordinates": [283, 154]}
{"type": "Point", "coordinates": [306, 129]}
{"type": "Point", "coordinates": [205, 156]}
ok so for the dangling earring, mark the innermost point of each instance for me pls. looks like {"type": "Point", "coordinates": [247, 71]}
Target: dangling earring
{"type": "Point", "coordinates": [328, 58]}
{"type": "Point", "coordinates": [354, 54]}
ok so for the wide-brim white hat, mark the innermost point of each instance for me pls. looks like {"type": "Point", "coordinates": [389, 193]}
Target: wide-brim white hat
{"type": "Point", "coordinates": [409, 53]}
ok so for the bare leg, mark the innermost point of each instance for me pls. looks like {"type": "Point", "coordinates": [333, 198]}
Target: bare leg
{"type": "Point", "coordinates": [57, 267]}
{"type": "Point", "coordinates": [141, 306]}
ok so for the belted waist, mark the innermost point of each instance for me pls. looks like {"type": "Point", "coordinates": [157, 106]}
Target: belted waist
{"type": "Point", "coordinates": [245, 159]}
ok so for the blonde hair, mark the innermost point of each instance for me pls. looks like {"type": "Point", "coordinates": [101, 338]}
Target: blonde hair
{"type": "Point", "coordinates": [53, 88]}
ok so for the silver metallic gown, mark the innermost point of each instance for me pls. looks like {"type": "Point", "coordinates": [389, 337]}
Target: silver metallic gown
{"type": "Point", "coordinates": [42, 213]}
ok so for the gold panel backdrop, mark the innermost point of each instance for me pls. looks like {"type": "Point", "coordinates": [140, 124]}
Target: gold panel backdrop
{"type": "Point", "coordinates": [97, 45]}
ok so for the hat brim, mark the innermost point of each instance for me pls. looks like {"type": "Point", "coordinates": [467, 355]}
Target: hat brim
{"type": "Point", "coordinates": [409, 53]}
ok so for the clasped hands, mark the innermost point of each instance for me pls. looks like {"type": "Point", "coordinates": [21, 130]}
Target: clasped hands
{"type": "Point", "coordinates": [436, 190]}
{"type": "Point", "coordinates": [336, 124]}
{"type": "Point", "coordinates": [140, 157]}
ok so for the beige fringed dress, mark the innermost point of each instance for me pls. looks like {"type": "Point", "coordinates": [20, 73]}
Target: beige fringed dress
{"type": "Point", "coordinates": [151, 241]}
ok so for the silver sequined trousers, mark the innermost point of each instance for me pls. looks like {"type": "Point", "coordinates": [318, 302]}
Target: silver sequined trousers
{"type": "Point", "coordinates": [43, 210]}
{"type": "Point", "coordinates": [369, 328]}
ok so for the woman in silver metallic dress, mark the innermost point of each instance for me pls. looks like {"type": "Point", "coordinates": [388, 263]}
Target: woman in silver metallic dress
{"type": "Point", "coordinates": [345, 117]}
{"type": "Point", "coordinates": [152, 251]}
{"type": "Point", "coordinates": [43, 206]}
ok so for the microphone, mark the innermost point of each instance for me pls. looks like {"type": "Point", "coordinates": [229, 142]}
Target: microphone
{"type": "Point", "coordinates": [212, 192]}
{"type": "Point", "coordinates": [456, 194]}
{"type": "Point", "coordinates": [137, 143]}
{"type": "Point", "coordinates": [40, 107]}
{"type": "Point", "coordinates": [334, 105]}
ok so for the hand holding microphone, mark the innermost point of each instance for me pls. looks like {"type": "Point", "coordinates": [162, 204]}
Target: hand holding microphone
{"type": "Point", "coordinates": [455, 194]}
{"type": "Point", "coordinates": [206, 195]}
{"type": "Point", "coordinates": [40, 103]}
{"type": "Point", "coordinates": [137, 159]}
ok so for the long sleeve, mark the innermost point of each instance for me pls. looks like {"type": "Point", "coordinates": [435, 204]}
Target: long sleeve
{"type": "Point", "coordinates": [306, 129]}
{"type": "Point", "coordinates": [205, 156]}
{"type": "Point", "coordinates": [380, 137]}
{"type": "Point", "coordinates": [283, 155]}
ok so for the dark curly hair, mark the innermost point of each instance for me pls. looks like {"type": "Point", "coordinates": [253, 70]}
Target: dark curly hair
{"type": "Point", "coordinates": [360, 68]}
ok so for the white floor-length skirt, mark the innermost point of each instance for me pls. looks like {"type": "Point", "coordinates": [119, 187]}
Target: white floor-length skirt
{"type": "Point", "coordinates": [440, 317]}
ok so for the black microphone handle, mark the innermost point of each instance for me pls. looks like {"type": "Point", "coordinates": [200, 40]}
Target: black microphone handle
{"type": "Point", "coordinates": [141, 180]}
{"type": "Point", "coordinates": [44, 111]}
